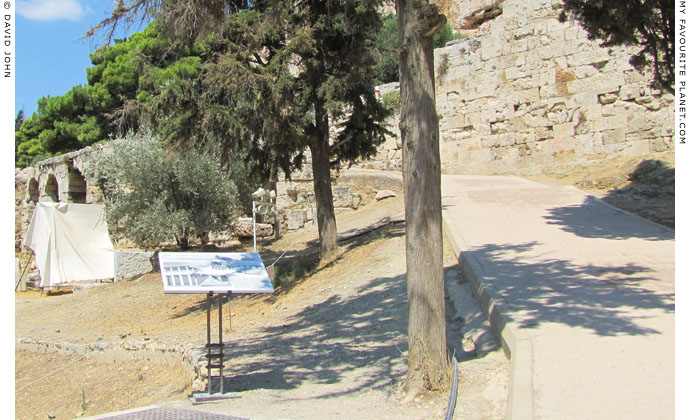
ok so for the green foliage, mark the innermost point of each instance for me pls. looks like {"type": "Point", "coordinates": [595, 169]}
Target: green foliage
{"type": "Point", "coordinates": [19, 120]}
{"type": "Point", "coordinates": [386, 68]}
{"type": "Point", "coordinates": [290, 271]}
{"type": "Point", "coordinates": [155, 196]}
{"type": "Point", "coordinates": [391, 101]}
{"type": "Point", "coordinates": [90, 114]}
{"type": "Point", "coordinates": [649, 24]}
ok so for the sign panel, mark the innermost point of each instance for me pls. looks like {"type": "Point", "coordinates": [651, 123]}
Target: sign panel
{"type": "Point", "coordinates": [217, 272]}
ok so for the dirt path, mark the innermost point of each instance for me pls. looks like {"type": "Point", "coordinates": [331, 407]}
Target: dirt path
{"type": "Point", "coordinates": [331, 344]}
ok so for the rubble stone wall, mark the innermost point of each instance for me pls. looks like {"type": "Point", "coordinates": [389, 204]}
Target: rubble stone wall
{"type": "Point", "coordinates": [295, 198]}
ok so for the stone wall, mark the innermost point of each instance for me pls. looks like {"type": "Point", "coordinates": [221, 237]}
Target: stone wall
{"type": "Point", "coordinates": [527, 94]}
{"type": "Point", "coordinates": [295, 198]}
{"type": "Point", "coordinates": [57, 179]}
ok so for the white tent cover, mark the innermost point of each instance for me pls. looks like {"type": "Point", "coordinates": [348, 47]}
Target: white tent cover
{"type": "Point", "coordinates": [71, 243]}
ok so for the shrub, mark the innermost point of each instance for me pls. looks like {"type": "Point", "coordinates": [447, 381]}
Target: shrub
{"type": "Point", "coordinates": [156, 196]}
{"type": "Point", "coordinates": [391, 101]}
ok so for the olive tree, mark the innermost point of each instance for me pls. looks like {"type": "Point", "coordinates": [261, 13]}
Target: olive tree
{"type": "Point", "coordinates": [154, 196]}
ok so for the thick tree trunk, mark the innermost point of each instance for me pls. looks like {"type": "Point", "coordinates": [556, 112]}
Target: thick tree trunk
{"type": "Point", "coordinates": [321, 167]}
{"type": "Point", "coordinates": [428, 365]}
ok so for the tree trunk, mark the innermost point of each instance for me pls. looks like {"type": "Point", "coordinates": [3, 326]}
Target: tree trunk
{"type": "Point", "coordinates": [428, 364]}
{"type": "Point", "coordinates": [321, 169]}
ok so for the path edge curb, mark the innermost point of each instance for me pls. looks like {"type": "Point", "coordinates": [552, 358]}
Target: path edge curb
{"type": "Point", "coordinates": [516, 344]}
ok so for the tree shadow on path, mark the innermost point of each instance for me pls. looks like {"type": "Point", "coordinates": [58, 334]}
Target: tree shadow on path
{"type": "Point", "coordinates": [607, 300]}
{"type": "Point", "coordinates": [595, 219]}
{"type": "Point", "coordinates": [331, 342]}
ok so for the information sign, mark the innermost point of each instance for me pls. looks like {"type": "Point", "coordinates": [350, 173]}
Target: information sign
{"type": "Point", "coordinates": [213, 272]}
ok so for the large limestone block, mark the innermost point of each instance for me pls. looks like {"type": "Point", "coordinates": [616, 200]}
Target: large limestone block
{"type": "Point", "coordinates": [129, 264]}
{"type": "Point", "coordinates": [296, 218]}
{"type": "Point", "coordinates": [246, 230]}
{"type": "Point", "coordinates": [342, 196]}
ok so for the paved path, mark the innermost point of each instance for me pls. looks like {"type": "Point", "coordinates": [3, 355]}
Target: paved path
{"type": "Point", "coordinates": [581, 293]}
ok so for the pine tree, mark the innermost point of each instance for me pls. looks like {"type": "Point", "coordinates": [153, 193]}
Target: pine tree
{"type": "Point", "coordinates": [276, 77]}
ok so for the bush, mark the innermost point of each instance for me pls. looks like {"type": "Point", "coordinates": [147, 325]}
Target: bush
{"type": "Point", "coordinates": [154, 196]}
{"type": "Point", "coordinates": [391, 101]}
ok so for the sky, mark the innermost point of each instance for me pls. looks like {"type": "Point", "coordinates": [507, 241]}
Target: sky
{"type": "Point", "coordinates": [51, 56]}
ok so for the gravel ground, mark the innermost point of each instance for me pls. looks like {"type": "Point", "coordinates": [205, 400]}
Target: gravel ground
{"type": "Point", "coordinates": [330, 345]}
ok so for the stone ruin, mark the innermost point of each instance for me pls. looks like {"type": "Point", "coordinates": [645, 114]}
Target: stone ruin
{"type": "Point", "coordinates": [521, 94]}
{"type": "Point", "coordinates": [61, 179]}
{"type": "Point", "coordinates": [525, 94]}
{"type": "Point", "coordinates": [58, 179]}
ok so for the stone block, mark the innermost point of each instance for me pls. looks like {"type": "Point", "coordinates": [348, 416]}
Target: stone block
{"type": "Point", "coordinates": [520, 60]}
{"type": "Point", "coordinates": [296, 218]}
{"type": "Point", "coordinates": [547, 76]}
{"type": "Point", "coordinates": [524, 137]}
{"type": "Point", "coordinates": [507, 139]}
{"type": "Point", "coordinates": [602, 83]}
{"type": "Point", "coordinates": [552, 91]}
{"type": "Point", "coordinates": [499, 127]}
{"type": "Point", "coordinates": [546, 52]}
{"type": "Point", "coordinates": [660, 144]}
{"type": "Point", "coordinates": [638, 147]}
{"type": "Point", "coordinates": [518, 124]}
{"type": "Point", "coordinates": [588, 56]}
{"type": "Point", "coordinates": [130, 264]}
{"type": "Point", "coordinates": [383, 194]}
{"type": "Point", "coordinates": [489, 115]}
{"type": "Point", "coordinates": [583, 145]}
{"type": "Point", "coordinates": [492, 47]}
{"type": "Point", "coordinates": [598, 124]}
{"type": "Point", "coordinates": [608, 110]}
{"type": "Point", "coordinates": [592, 112]}
{"type": "Point", "coordinates": [472, 143]}
{"type": "Point", "coordinates": [613, 136]}
{"type": "Point", "coordinates": [631, 91]}
{"type": "Point", "coordinates": [246, 230]}
{"type": "Point", "coordinates": [491, 141]}
{"type": "Point", "coordinates": [342, 196]}
{"type": "Point", "coordinates": [571, 33]}
{"type": "Point", "coordinates": [525, 83]}
{"type": "Point", "coordinates": [616, 121]}
{"type": "Point", "coordinates": [565, 130]}
{"type": "Point", "coordinates": [481, 155]}
{"type": "Point", "coordinates": [356, 201]}
{"type": "Point", "coordinates": [543, 133]}
{"type": "Point", "coordinates": [584, 72]}
{"type": "Point", "coordinates": [536, 121]}
{"type": "Point", "coordinates": [518, 46]}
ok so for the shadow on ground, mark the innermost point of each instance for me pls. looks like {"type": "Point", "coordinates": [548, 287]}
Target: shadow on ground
{"type": "Point", "coordinates": [328, 342]}
{"type": "Point", "coordinates": [308, 259]}
{"type": "Point", "coordinates": [650, 194]}
{"type": "Point", "coordinates": [594, 219]}
{"type": "Point", "coordinates": [600, 298]}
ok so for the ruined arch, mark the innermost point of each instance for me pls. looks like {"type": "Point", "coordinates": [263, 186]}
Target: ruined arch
{"type": "Point", "coordinates": [76, 187]}
{"type": "Point", "coordinates": [33, 190]}
{"type": "Point", "coordinates": [51, 191]}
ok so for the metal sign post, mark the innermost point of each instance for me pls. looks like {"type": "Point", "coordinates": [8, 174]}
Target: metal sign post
{"type": "Point", "coordinates": [220, 273]}
{"type": "Point", "coordinates": [254, 222]}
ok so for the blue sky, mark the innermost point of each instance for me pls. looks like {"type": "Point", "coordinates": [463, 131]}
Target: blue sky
{"type": "Point", "coordinates": [51, 57]}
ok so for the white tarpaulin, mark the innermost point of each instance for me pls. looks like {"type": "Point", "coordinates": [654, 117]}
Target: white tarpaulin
{"type": "Point", "coordinates": [71, 243]}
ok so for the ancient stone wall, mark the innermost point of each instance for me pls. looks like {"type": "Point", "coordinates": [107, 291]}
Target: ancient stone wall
{"type": "Point", "coordinates": [296, 201]}
{"type": "Point", "coordinates": [526, 94]}
{"type": "Point", "coordinates": [58, 179]}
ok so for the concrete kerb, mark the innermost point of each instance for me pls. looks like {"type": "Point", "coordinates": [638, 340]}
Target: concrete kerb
{"type": "Point", "coordinates": [516, 344]}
